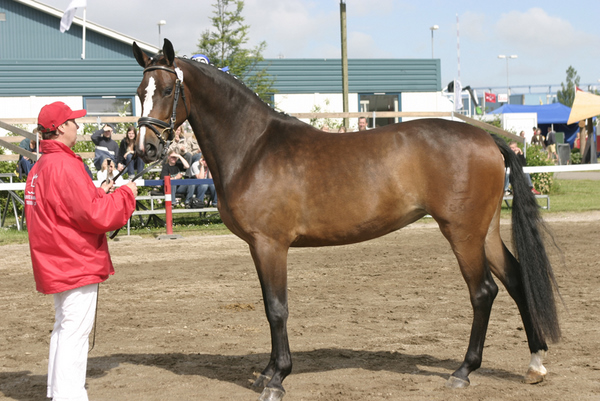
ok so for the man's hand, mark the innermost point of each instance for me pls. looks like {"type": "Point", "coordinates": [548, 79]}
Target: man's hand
{"type": "Point", "coordinates": [133, 186]}
{"type": "Point", "coordinates": [108, 186]}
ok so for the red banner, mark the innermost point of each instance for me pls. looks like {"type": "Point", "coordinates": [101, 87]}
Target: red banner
{"type": "Point", "coordinates": [490, 97]}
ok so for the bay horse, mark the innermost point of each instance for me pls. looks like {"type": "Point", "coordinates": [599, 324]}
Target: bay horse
{"type": "Point", "coordinates": [282, 183]}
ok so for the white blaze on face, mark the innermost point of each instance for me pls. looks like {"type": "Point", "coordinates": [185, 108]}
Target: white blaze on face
{"type": "Point", "coordinates": [147, 106]}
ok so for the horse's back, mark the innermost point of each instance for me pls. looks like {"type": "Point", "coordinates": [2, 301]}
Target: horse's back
{"type": "Point", "coordinates": [325, 188]}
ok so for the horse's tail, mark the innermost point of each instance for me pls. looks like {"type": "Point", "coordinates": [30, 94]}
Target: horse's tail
{"type": "Point", "coordinates": [536, 271]}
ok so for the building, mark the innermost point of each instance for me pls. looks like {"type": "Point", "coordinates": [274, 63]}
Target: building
{"type": "Point", "coordinates": [39, 65]}
{"type": "Point", "coordinates": [315, 85]}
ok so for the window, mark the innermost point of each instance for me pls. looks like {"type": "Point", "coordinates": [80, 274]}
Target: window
{"type": "Point", "coordinates": [109, 106]}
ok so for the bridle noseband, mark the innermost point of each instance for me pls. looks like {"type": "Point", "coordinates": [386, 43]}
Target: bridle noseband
{"type": "Point", "coordinates": [167, 127]}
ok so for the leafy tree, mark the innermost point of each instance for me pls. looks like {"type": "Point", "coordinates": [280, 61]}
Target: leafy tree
{"type": "Point", "coordinates": [566, 95]}
{"type": "Point", "coordinates": [224, 46]}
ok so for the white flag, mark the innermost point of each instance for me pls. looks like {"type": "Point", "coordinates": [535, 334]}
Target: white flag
{"type": "Point", "coordinates": [67, 18]}
{"type": "Point", "coordinates": [458, 104]}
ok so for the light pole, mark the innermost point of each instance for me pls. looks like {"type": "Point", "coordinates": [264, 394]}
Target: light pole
{"type": "Point", "coordinates": [507, 86]}
{"type": "Point", "coordinates": [433, 28]}
{"type": "Point", "coordinates": [160, 23]}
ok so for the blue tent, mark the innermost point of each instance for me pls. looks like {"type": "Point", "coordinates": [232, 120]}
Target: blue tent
{"type": "Point", "coordinates": [556, 114]}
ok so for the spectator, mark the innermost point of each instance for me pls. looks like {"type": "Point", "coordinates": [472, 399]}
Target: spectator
{"type": "Point", "coordinates": [342, 129]}
{"type": "Point", "coordinates": [175, 167]}
{"type": "Point", "coordinates": [67, 221]}
{"type": "Point", "coordinates": [180, 145]}
{"type": "Point", "coordinates": [517, 150]}
{"type": "Point", "coordinates": [105, 146]}
{"type": "Point", "coordinates": [577, 143]}
{"type": "Point", "coordinates": [200, 170]}
{"type": "Point", "coordinates": [127, 153]}
{"type": "Point", "coordinates": [362, 123]}
{"type": "Point", "coordinates": [551, 144]}
{"type": "Point", "coordinates": [325, 127]}
{"type": "Point", "coordinates": [537, 138]}
{"type": "Point", "coordinates": [25, 164]}
{"type": "Point", "coordinates": [108, 170]}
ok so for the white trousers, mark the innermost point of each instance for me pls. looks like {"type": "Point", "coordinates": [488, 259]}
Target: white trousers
{"type": "Point", "coordinates": [75, 311]}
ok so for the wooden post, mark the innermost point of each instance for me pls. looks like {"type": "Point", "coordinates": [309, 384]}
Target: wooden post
{"type": "Point", "coordinates": [344, 62]}
{"type": "Point", "coordinates": [593, 146]}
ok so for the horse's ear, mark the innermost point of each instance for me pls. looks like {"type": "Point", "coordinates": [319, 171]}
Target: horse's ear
{"type": "Point", "coordinates": [140, 56]}
{"type": "Point", "coordinates": [168, 51]}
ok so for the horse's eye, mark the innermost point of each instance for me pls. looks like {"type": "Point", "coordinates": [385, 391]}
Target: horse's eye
{"type": "Point", "coordinates": [168, 90]}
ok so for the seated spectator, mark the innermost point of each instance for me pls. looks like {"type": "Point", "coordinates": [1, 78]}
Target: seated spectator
{"type": "Point", "coordinates": [180, 145]}
{"type": "Point", "coordinates": [105, 145]}
{"type": "Point", "coordinates": [200, 170]}
{"type": "Point", "coordinates": [175, 167]}
{"type": "Point", "coordinates": [107, 169]}
{"type": "Point", "coordinates": [515, 148]}
{"type": "Point", "coordinates": [127, 153]}
{"type": "Point", "coordinates": [25, 164]}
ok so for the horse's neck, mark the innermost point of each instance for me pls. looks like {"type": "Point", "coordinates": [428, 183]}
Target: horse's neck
{"type": "Point", "coordinates": [226, 141]}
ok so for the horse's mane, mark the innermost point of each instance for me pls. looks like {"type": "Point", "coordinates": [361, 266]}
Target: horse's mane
{"type": "Point", "coordinates": [217, 74]}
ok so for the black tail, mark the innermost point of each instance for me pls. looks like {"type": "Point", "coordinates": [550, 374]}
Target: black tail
{"type": "Point", "coordinates": [536, 271]}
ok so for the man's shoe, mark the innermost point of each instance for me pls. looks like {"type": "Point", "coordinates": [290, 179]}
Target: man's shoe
{"type": "Point", "coordinates": [535, 191]}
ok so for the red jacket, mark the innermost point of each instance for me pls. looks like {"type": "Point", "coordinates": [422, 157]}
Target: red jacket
{"type": "Point", "coordinates": [67, 221]}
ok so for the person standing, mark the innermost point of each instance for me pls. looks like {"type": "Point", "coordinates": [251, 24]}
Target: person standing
{"type": "Point", "coordinates": [551, 144]}
{"type": "Point", "coordinates": [67, 221]}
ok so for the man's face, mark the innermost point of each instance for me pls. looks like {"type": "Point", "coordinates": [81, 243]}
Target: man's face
{"type": "Point", "coordinates": [69, 133]}
{"type": "Point", "coordinates": [108, 131]}
{"type": "Point", "coordinates": [362, 124]}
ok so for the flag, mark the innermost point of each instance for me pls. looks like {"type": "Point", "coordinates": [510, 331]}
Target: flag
{"type": "Point", "coordinates": [490, 97]}
{"type": "Point", "coordinates": [67, 18]}
{"type": "Point", "coordinates": [458, 104]}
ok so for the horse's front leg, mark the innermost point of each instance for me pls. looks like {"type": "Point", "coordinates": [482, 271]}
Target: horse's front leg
{"type": "Point", "coordinates": [270, 259]}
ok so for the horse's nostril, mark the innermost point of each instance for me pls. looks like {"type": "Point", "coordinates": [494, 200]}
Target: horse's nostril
{"type": "Point", "coordinates": [151, 151]}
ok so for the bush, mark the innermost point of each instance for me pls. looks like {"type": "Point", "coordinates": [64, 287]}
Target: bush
{"type": "Point", "coordinates": [575, 156]}
{"type": "Point", "coordinates": [543, 182]}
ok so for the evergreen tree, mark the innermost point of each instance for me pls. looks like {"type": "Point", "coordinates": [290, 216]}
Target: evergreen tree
{"type": "Point", "coordinates": [224, 46]}
{"type": "Point", "coordinates": [566, 95]}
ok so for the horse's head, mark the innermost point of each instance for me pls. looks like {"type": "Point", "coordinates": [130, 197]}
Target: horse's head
{"type": "Point", "coordinates": [163, 100]}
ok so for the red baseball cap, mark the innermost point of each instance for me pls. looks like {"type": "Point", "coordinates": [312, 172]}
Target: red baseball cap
{"type": "Point", "coordinates": [55, 114]}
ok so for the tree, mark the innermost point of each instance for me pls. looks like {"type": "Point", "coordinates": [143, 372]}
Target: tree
{"type": "Point", "coordinates": [566, 95]}
{"type": "Point", "coordinates": [224, 47]}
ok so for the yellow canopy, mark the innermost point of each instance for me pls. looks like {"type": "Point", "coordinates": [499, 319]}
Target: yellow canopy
{"type": "Point", "coordinates": [586, 105]}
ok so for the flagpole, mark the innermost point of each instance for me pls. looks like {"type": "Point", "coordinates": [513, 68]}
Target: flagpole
{"type": "Point", "coordinates": [83, 35]}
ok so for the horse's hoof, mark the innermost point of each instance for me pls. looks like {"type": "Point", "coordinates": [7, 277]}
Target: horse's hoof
{"type": "Point", "coordinates": [455, 382]}
{"type": "Point", "coordinates": [261, 381]}
{"type": "Point", "coordinates": [534, 377]}
{"type": "Point", "coordinates": [271, 394]}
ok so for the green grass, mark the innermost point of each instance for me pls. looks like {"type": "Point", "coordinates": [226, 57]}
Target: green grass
{"type": "Point", "coordinates": [568, 196]}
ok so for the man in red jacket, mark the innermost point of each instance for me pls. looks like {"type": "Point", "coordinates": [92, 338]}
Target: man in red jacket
{"type": "Point", "coordinates": [67, 221]}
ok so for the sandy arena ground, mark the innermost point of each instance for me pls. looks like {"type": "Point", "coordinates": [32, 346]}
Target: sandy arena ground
{"type": "Point", "coordinates": [387, 319]}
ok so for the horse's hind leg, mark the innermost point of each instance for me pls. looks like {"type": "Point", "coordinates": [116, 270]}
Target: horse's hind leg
{"type": "Point", "coordinates": [504, 266]}
{"type": "Point", "coordinates": [468, 246]}
{"type": "Point", "coordinates": [270, 259]}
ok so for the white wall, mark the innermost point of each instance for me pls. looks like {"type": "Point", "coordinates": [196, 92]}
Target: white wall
{"type": "Point", "coordinates": [425, 101]}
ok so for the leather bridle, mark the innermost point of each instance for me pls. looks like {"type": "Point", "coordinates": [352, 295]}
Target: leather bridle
{"type": "Point", "coordinates": [166, 134]}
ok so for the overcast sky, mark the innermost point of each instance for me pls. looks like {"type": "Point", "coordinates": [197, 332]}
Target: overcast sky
{"type": "Point", "coordinates": [547, 36]}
